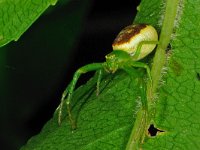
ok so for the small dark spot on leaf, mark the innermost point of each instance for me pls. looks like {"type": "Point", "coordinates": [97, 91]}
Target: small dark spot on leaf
{"type": "Point", "coordinates": [198, 76]}
{"type": "Point", "coordinates": [176, 67]}
{"type": "Point", "coordinates": [154, 131]}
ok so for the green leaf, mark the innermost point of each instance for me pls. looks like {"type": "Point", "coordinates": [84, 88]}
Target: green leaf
{"type": "Point", "coordinates": [106, 121]}
{"type": "Point", "coordinates": [103, 121]}
{"type": "Point", "coordinates": [16, 16]}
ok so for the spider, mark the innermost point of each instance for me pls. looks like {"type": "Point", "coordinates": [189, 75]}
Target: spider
{"type": "Point", "coordinates": [133, 43]}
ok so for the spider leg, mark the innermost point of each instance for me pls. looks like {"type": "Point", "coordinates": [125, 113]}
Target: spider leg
{"type": "Point", "coordinates": [139, 47]}
{"type": "Point", "coordinates": [70, 89]}
{"type": "Point", "coordinates": [142, 65]}
{"type": "Point", "coordinates": [99, 81]}
{"type": "Point", "coordinates": [60, 107]}
{"type": "Point", "coordinates": [141, 121]}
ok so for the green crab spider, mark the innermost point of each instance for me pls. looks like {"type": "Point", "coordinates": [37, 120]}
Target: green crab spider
{"type": "Point", "coordinates": [133, 43]}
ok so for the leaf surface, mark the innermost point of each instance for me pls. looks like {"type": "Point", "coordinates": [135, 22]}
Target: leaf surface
{"type": "Point", "coordinates": [16, 16]}
{"type": "Point", "coordinates": [103, 121]}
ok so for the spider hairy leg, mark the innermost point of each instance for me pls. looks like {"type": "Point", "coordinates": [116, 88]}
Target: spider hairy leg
{"type": "Point", "coordinates": [139, 54]}
{"type": "Point", "coordinates": [99, 81]}
{"type": "Point", "coordinates": [68, 93]}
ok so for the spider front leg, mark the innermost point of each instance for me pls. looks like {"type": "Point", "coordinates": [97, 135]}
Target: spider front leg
{"type": "Point", "coordinates": [99, 81]}
{"type": "Point", "coordinates": [140, 52]}
{"type": "Point", "coordinates": [146, 67]}
{"type": "Point", "coordinates": [142, 65]}
{"type": "Point", "coordinates": [68, 93]}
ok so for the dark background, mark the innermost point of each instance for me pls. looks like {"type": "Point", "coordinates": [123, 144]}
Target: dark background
{"type": "Point", "coordinates": [36, 69]}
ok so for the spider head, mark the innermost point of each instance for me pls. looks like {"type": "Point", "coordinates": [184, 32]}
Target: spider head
{"type": "Point", "coordinates": [115, 60]}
